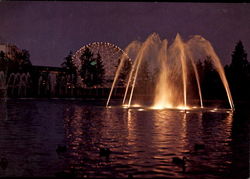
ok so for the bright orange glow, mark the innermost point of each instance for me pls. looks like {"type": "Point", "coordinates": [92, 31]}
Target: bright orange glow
{"type": "Point", "coordinates": [157, 107]}
{"type": "Point", "coordinates": [161, 106]}
{"type": "Point", "coordinates": [136, 105]}
{"type": "Point", "coordinates": [125, 106]}
{"type": "Point", "coordinates": [183, 107]}
{"type": "Point", "coordinates": [169, 107]}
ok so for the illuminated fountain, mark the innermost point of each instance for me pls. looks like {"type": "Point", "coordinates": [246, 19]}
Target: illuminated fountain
{"type": "Point", "coordinates": [3, 86]}
{"type": "Point", "coordinates": [19, 82]}
{"type": "Point", "coordinates": [169, 69]}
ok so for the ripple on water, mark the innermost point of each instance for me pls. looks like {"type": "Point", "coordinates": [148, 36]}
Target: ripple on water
{"type": "Point", "coordinates": [142, 143]}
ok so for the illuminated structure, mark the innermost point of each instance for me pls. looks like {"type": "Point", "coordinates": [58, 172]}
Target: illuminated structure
{"type": "Point", "coordinates": [110, 55]}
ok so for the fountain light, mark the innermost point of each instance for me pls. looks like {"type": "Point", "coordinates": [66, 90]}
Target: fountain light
{"type": "Point", "coordinates": [183, 107]}
{"type": "Point", "coordinates": [157, 107]}
{"type": "Point", "coordinates": [125, 106]}
{"type": "Point", "coordinates": [136, 105]}
{"type": "Point", "coordinates": [174, 64]}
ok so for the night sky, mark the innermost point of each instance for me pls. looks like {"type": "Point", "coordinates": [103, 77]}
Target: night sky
{"type": "Point", "coordinates": [49, 30]}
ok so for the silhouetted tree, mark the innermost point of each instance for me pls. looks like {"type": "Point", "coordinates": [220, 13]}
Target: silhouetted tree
{"type": "Point", "coordinates": [68, 63]}
{"type": "Point", "coordinates": [70, 68]}
{"type": "Point", "coordinates": [3, 61]}
{"type": "Point", "coordinates": [20, 62]}
{"type": "Point", "coordinates": [238, 73]}
{"type": "Point", "coordinates": [99, 70]}
{"type": "Point", "coordinates": [143, 78]}
{"type": "Point", "coordinates": [124, 71]}
{"type": "Point", "coordinates": [25, 62]}
{"type": "Point", "coordinates": [239, 58]}
{"type": "Point", "coordinates": [211, 84]}
{"type": "Point", "coordinates": [92, 70]}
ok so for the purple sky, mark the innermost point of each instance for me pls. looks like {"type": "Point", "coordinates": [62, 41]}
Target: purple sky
{"type": "Point", "coordinates": [50, 29]}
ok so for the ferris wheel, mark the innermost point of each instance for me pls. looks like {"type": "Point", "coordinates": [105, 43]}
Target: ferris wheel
{"type": "Point", "coordinates": [110, 55]}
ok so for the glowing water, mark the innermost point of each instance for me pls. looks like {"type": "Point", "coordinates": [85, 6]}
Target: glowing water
{"type": "Point", "coordinates": [149, 47]}
{"type": "Point", "coordinates": [180, 47]}
{"type": "Point", "coordinates": [131, 49]}
{"type": "Point", "coordinates": [162, 100]}
{"type": "Point", "coordinates": [138, 60]}
{"type": "Point", "coordinates": [197, 81]}
{"type": "Point", "coordinates": [175, 65]}
{"type": "Point", "coordinates": [203, 46]}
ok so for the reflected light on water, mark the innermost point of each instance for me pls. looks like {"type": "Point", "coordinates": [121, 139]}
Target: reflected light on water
{"type": "Point", "coordinates": [142, 143]}
{"type": "Point", "coordinates": [229, 118]}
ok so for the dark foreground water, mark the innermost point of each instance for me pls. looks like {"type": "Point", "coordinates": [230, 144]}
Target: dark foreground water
{"type": "Point", "coordinates": [143, 143]}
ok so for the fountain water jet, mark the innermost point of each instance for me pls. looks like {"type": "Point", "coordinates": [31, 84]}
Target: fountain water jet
{"type": "Point", "coordinates": [150, 45]}
{"type": "Point", "coordinates": [131, 49]}
{"type": "Point", "coordinates": [198, 42]}
{"type": "Point", "coordinates": [171, 64]}
{"type": "Point", "coordinates": [180, 46]}
{"type": "Point", "coordinates": [3, 86]}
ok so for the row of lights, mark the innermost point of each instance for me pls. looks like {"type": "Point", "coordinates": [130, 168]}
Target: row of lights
{"type": "Point", "coordinates": [98, 43]}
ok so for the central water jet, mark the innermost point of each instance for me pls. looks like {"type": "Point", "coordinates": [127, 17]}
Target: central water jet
{"type": "Point", "coordinates": [167, 72]}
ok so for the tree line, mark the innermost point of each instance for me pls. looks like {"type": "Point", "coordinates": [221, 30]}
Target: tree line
{"type": "Point", "coordinates": [92, 72]}
{"type": "Point", "coordinates": [237, 72]}
{"type": "Point", "coordinates": [19, 62]}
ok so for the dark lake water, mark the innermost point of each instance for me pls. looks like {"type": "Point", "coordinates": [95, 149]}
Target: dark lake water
{"type": "Point", "coordinates": [143, 143]}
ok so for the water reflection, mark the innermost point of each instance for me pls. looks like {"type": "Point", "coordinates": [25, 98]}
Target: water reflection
{"type": "Point", "coordinates": [27, 138]}
{"type": "Point", "coordinates": [143, 142]}
{"type": "Point", "coordinates": [3, 110]}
